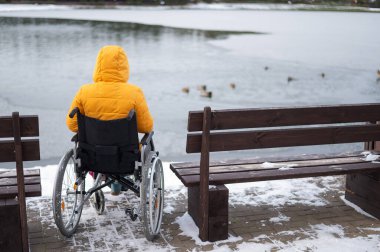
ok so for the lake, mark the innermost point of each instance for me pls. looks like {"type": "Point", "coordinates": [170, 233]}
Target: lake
{"type": "Point", "coordinates": [46, 55]}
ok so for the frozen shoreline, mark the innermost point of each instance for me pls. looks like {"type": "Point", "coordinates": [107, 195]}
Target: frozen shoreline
{"type": "Point", "coordinates": [197, 6]}
{"type": "Point", "coordinates": [229, 17]}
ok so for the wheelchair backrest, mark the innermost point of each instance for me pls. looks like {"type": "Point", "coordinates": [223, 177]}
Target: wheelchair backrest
{"type": "Point", "coordinates": [120, 132]}
{"type": "Point", "coordinates": [108, 146]}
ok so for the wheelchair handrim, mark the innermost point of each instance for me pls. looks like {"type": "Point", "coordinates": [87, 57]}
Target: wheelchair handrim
{"type": "Point", "coordinates": [154, 195]}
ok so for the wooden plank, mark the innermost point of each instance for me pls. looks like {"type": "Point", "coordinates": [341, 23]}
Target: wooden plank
{"type": "Point", "coordinates": [28, 126]}
{"type": "Point", "coordinates": [312, 171]}
{"type": "Point", "coordinates": [272, 166]}
{"type": "Point", "coordinates": [30, 150]}
{"type": "Point", "coordinates": [10, 229]}
{"type": "Point", "coordinates": [273, 117]}
{"type": "Point", "coordinates": [13, 181]}
{"type": "Point", "coordinates": [218, 201]}
{"type": "Point", "coordinates": [27, 173]}
{"type": "Point", "coordinates": [177, 167]}
{"type": "Point", "coordinates": [364, 186]}
{"type": "Point", "coordinates": [20, 179]}
{"type": "Point", "coordinates": [204, 173]}
{"type": "Point", "coordinates": [11, 191]}
{"type": "Point", "coordinates": [260, 160]}
{"type": "Point", "coordinates": [363, 203]}
{"type": "Point", "coordinates": [218, 228]}
{"type": "Point", "coordinates": [258, 139]}
{"type": "Point", "coordinates": [193, 203]}
{"type": "Point", "coordinates": [218, 210]}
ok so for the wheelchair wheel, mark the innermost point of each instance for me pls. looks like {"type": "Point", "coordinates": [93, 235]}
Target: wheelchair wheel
{"type": "Point", "coordinates": [152, 197]}
{"type": "Point", "coordinates": [65, 198]}
{"type": "Point", "coordinates": [99, 202]}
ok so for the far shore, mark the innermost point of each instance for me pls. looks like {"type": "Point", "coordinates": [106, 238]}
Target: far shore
{"type": "Point", "coordinates": [220, 5]}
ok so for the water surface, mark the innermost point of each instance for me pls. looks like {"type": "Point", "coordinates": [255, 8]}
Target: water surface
{"type": "Point", "coordinates": [45, 61]}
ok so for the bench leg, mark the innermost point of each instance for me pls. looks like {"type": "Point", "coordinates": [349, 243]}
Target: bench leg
{"type": "Point", "coordinates": [10, 228]}
{"type": "Point", "coordinates": [218, 210]}
{"type": "Point", "coordinates": [364, 191]}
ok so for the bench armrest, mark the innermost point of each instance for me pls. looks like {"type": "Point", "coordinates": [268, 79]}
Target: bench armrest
{"type": "Point", "coordinates": [147, 138]}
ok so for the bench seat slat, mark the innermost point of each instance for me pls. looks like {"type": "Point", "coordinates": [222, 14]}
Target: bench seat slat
{"type": "Point", "coordinates": [12, 173]}
{"type": "Point", "coordinates": [271, 165]}
{"type": "Point", "coordinates": [11, 191]}
{"type": "Point", "coordinates": [275, 174]}
{"type": "Point", "coordinates": [13, 181]}
{"type": "Point", "coordinates": [260, 160]}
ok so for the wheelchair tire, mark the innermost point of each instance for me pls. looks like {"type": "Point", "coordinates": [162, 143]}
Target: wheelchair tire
{"type": "Point", "coordinates": [152, 197]}
{"type": "Point", "coordinates": [99, 202]}
{"type": "Point", "coordinates": [65, 198]}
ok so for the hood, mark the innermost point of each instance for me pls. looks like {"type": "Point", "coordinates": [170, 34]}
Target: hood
{"type": "Point", "coordinates": [111, 65]}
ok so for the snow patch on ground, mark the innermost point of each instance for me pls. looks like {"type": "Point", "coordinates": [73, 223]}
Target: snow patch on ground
{"type": "Point", "coordinates": [188, 227]}
{"type": "Point", "coordinates": [113, 228]}
{"type": "Point", "coordinates": [357, 209]}
{"type": "Point", "coordinates": [326, 238]}
{"type": "Point", "coordinates": [279, 193]}
{"type": "Point", "coordinates": [280, 218]}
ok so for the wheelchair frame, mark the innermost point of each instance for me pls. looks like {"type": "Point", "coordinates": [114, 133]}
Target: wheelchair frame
{"type": "Point", "coordinates": [147, 182]}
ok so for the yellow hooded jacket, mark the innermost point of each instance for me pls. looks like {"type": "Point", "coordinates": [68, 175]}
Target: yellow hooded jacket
{"type": "Point", "coordinates": [111, 96]}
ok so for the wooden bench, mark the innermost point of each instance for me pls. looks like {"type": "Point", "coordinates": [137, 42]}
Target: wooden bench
{"type": "Point", "coordinates": [17, 184]}
{"type": "Point", "coordinates": [273, 128]}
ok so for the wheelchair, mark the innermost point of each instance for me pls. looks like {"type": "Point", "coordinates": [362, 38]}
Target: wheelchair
{"type": "Point", "coordinates": [111, 151]}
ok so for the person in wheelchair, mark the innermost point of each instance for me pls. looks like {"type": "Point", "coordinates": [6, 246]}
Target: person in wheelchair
{"type": "Point", "coordinates": [111, 97]}
{"type": "Point", "coordinates": [107, 116]}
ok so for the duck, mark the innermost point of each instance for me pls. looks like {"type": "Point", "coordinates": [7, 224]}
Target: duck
{"type": "Point", "coordinates": [207, 94]}
{"type": "Point", "coordinates": [202, 87]}
{"type": "Point", "coordinates": [186, 90]}
{"type": "Point", "coordinates": [290, 78]}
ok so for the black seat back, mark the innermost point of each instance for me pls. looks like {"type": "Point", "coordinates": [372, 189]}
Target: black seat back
{"type": "Point", "coordinates": [109, 147]}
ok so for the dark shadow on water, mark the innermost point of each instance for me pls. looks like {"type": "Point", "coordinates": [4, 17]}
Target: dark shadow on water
{"type": "Point", "coordinates": [118, 29]}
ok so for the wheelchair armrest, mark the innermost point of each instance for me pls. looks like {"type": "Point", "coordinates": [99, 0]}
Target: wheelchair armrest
{"type": "Point", "coordinates": [74, 138]}
{"type": "Point", "coordinates": [147, 138]}
{"type": "Point", "coordinates": [73, 112]}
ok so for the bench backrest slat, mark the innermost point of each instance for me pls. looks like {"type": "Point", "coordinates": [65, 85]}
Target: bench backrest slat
{"type": "Point", "coordinates": [30, 150]}
{"type": "Point", "coordinates": [315, 131]}
{"type": "Point", "coordinates": [28, 126]}
{"type": "Point", "coordinates": [274, 117]}
{"type": "Point", "coordinates": [260, 139]}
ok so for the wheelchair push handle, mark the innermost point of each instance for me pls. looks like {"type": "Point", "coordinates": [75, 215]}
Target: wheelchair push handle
{"type": "Point", "coordinates": [73, 112]}
{"type": "Point", "coordinates": [147, 138]}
